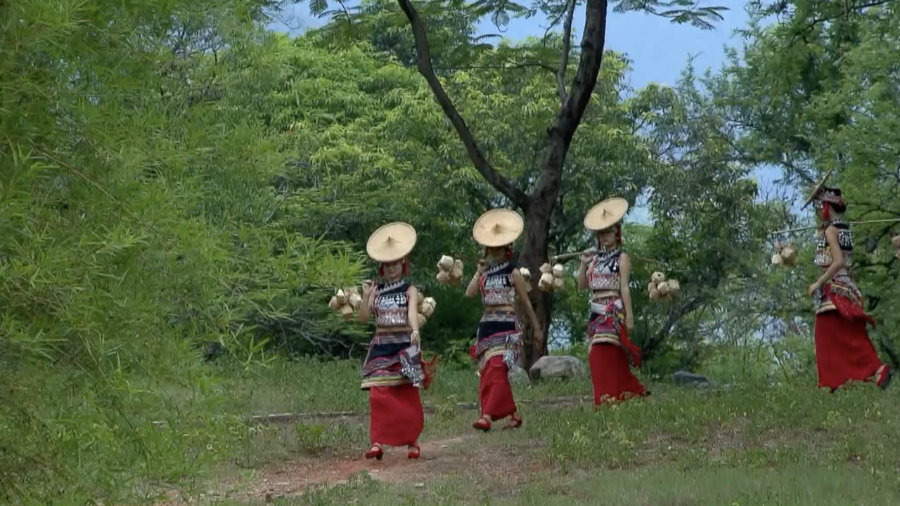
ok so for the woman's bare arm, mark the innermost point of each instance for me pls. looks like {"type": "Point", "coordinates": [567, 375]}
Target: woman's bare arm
{"type": "Point", "coordinates": [412, 297]}
{"type": "Point", "coordinates": [475, 283]}
{"type": "Point", "coordinates": [582, 272]}
{"type": "Point", "coordinates": [522, 292]}
{"type": "Point", "coordinates": [624, 278]}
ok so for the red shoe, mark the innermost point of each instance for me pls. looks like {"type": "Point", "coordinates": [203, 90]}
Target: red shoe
{"type": "Point", "coordinates": [515, 421]}
{"type": "Point", "coordinates": [482, 424]}
{"type": "Point", "coordinates": [413, 452]}
{"type": "Point", "coordinates": [375, 452]}
{"type": "Point", "coordinates": [885, 377]}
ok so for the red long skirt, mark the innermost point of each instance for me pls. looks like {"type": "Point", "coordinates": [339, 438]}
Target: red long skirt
{"type": "Point", "coordinates": [494, 390]}
{"type": "Point", "coordinates": [844, 352]}
{"type": "Point", "coordinates": [397, 418]}
{"type": "Point", "coordinates": [611, 374]}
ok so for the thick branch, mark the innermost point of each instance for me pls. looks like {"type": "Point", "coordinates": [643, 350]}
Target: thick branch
{"type": "Point", "coordinates": [844, 12]}
{"type": "Point", "coordinates": [502, 184]}
{"type": "Point", "coordinates": [572, 110]}
{"type": "Point", "coordinates": [564, 60]}
{"type": "Point", "coordinates": [592, 44]}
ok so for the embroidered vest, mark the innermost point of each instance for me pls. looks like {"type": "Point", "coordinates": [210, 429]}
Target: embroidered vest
{"type": "Point", "coordinates": [603, 271]}
{"type": "Point", "coordinates": [392, 305]}
{"type": "Point", "coordinates": [497, 287]}
{"type": "Point", "coordinates": [845, 240]}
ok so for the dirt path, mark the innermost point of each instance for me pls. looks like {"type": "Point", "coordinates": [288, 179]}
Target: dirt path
{"type": "Point", "coordinates": [458, 456]}
{"type": "Point", "coordinates": [291, 478]}
{"type": "Point", "coordinates": [475, 456]}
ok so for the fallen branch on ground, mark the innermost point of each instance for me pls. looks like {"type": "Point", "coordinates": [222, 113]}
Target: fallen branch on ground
{"type": "Point", "coordinates": [285, 418]}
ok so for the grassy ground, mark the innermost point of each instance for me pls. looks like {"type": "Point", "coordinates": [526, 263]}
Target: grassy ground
{"type": "Point", "coordinates": [784, 445]}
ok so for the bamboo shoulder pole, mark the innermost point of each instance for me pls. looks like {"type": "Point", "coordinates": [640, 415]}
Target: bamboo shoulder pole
{"type": "Point", "coordinates": [800, 229]}
{"type": "Point", "coordinates": [576, 254]}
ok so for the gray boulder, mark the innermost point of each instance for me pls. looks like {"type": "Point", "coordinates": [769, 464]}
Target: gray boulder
{"type": "Point", "coordinates": [685, 378]}
{"type": "Point", "coordinates": [557, 367]}
{"type": "Point", "coordinates": [517, 375]}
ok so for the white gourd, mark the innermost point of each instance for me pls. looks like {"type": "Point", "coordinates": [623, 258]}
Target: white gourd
{"type": "Point", "coordinates": [445, 263]}
{"type": "Point", "coordinates": [777, 260]}
{"type": "Point", "coordinates": [546, 282]}
{"type": "Point", "coordinates": [558, 271]}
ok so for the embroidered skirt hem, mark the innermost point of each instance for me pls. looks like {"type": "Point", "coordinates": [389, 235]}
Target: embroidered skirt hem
{"type": "Point", "coordinates": [609, 328]}
{"type": "Point", "coordinates": [393, 361]}
{"type": "Point", "coordinates": [497, 337]}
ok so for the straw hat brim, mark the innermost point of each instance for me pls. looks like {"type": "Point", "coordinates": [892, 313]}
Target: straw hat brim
{"type": "Point", "coordinates": [498, 227]}
{"type": "Point", "coordinates": [391, 242]}
{"type": "Point", "coordinates": [817, 189]}
{"type": "Point", "coordinates": [606, 214]}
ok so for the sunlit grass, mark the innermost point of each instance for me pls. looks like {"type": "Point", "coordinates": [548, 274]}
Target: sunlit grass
{"type": "Point", "coordinates": [743, 445]}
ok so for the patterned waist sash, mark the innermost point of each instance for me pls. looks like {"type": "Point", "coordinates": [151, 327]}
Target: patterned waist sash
{"type": "Point", "coordinates": [498, 334]}
{"type": "Point", "coordinates": [607, 320]}
{"type": "Point", "coordinates": [392, 360]}
{"type": "Point", "coordinates": [841, 294]}
{"type": "Point", "coordinates": [607, 326]}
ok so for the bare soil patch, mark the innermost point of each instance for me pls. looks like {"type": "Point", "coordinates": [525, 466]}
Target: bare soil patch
{"type": "Point", "coordinates": [467, 456]}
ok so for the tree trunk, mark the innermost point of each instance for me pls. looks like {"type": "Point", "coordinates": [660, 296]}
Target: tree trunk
{"type": "Point", "coordinates": [538, 207]}
{"type": "Point", "coordinates": [537, 240]}
{"type": "Point", "coordinates": [537, 232]}
{"type": "Point", "coordinates": [543, 199]}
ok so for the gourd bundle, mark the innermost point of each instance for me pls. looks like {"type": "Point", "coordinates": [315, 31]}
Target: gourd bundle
{"type": "Point", "coordinates": [659, 288]}
{"type": "Point", "coordinates": [426, 309]}
{"type": "Point", "coordinates": [526, 274]}
{"type": "Point", "coordinates": [346, 301]}
{"type": "Point", "coordinates": [450, 270]}
{"type": "Point", "coordinates": [895, 242]}
{"type": "Point", "coordinates": [785, 255]}
{"type": "Point", "coordinates": [552, 278]}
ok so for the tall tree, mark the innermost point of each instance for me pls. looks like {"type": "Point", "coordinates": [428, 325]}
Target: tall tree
{"type": "Point", "coordinates": [816, 90]}
{"type": "Point", "coordinates": [375, 136]}
{"type": "Point", "coordinates": [538, 202]}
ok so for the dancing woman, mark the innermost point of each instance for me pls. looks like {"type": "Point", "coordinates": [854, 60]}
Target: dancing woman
{"type": "Point", "coordinates": [393, 370]}
{"type": "Point", "coordinates": [843, 349]}
{"type": "Point", "coordinates": [607, 273]}
{"type": "Point", "coordinates": [499, 281]}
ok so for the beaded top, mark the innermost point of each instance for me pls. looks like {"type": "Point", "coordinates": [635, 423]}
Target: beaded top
{"type": "Point", "coordinates": [497, 287]}
{"type": "Point", "coordinates": [845, 240]}
{"type": "Point", "coordinates": [392, 305]}
{"type": "Point", "coordinates": [603, 271]}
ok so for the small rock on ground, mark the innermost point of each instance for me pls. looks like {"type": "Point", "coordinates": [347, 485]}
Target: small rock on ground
{"type": "Point", "coordinates": [557, 366]}
{"type": "Point", "coordinates": [517, 375]}
{"type": "Point", "coordinates": [686, 378]}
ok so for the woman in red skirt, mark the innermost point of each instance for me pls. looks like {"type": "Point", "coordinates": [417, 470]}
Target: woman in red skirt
{"type": "Point", "coordinates": [843, 349]}
{"type": "Point", "coordinates": [496, 350]}
{"type": "Point", "coordinates": [394, 369]}
{"type": "Point", "coordinates": [606, 273]}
